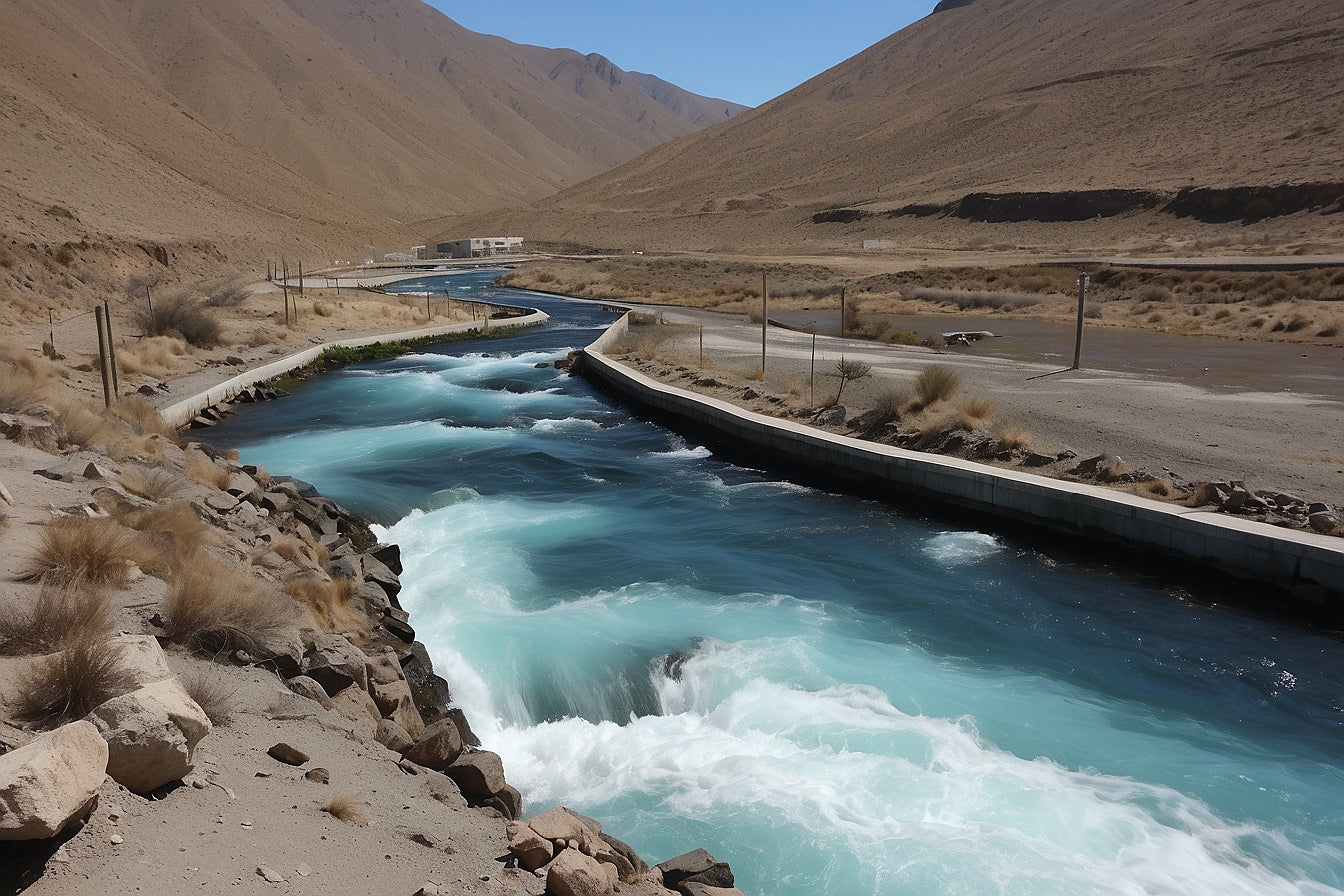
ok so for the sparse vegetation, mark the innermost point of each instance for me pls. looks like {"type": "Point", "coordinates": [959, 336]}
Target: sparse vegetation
{"type": "Point", "coordinates": [215, 609]}
{"type": "Point", "coordinates": [348, 808]}
{"type": "Point", "coordinates": [935, 384]}
{"type": "Point", "coordinates": [151, 483]}
{"type": "Point", "coordinates": [205, 471]}
{"type": "Point", "coordinates": [70, 684]}
{"type": "Point", "coordinates": [76, 549]}
{"type": "Point", "coordinates": [848, 370]}
{"type": "Point", "coordinates": [60, 614]}
{"type": "Point", "coordinates": [328, 602]}
{"type": "Point", "coordinates": [180, 315]}
{"type": "Point", "coordinates": [212, 693]}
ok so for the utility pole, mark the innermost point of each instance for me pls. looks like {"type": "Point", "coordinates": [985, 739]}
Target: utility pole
{"type": "Point", "coordinates": [102, 356]}
{"type": "Point", "coordinates": [1083, 282]}
{"type": "Point", "coordinates": [765, 319]}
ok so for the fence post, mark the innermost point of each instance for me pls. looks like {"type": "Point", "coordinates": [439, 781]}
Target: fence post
{"type": "Point", "coordinates": [111, 349]}
{"type": "Point", "coordinates": [102, 355]}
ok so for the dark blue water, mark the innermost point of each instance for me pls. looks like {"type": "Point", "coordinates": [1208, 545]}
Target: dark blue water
{"type": "Point", "coordinates": [858, 701]}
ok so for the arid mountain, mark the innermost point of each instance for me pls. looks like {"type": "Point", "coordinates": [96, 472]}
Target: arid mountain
{"type": "Point", "coordinates": [1056, 109]}
{"type": "Point", "coordinates": [698, 110]}
{"type": "Point", "coordinates": [318, 123]}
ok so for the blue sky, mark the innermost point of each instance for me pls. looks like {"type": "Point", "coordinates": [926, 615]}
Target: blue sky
{"type": "Point", "coordinates": [748, 51]}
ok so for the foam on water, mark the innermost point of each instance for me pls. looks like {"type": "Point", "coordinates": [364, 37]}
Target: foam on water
{"type": "Point", "coordinates": [836, 699]}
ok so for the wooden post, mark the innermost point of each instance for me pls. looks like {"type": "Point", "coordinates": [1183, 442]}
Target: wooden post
{"type": "Point", "coordinates": [149, 300]}
{"type": "Point", "coordinates": [842, 311]}
{"type": "Point", "coordinates": [51, 324]}
{"type": "Point", "coordinates": [102, 356]}
{"type": "Point", "coordinates": [702, 346]}
{"type": "Point", "coordinates": [1083, 281]}
{"type": "Point", "coordinates": [284, 287]}
{"type": "Point", "coordinates": [111, 349]}
{"type": "Point", "coordinates": [426, 307]}
{"type": "Point", "coordinates": [812, 378]}
{"type": "Point", "coordinates": [765, 318]}
{"type": "Point", "coordinates": [296, 307]}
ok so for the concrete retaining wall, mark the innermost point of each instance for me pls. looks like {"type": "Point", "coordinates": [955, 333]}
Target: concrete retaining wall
{"type": "Point", "coordinates": [1311, 566]}
{"type": "Point", "coordinates": [180, 414]}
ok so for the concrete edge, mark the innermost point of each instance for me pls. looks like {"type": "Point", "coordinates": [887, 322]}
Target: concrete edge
{"type": "Point", "coordinates": [178, 414]}
{"type": "Point", "coordinates": [1310, 565]}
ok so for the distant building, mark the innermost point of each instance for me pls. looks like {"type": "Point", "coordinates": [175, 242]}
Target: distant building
{"type": "Point", "coordinates": [398, 256]}
{"type": "Point", "coordinates": [479, 247]}
{"type": "Point", "coordinates": [419, 253]}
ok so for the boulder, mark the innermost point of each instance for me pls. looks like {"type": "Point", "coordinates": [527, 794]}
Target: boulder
{"type": "Point", "coordinates": [393, 736]}
{"type": "Point", "coordinates": [508, 800]}
{"type": "Point", "coordinates": [564, 824]}
{"type": "Point", "coordinates": [306, 687]}
{"type": "Point", "coordinates": [626, 852]}
{"type": "Point", "coordinates": [478, 775]}
{"type": "Point", "coordinates": [51, 781]}
{"type": "Point", "coordinates": [283, 752]}
{"type": "Point", "coordinates": [387, 554]}
{"type": "Point", "coordinates": [143, 659]}
{"type": "Point", "coordinates": [532, 849]}
{"type": "Point", "coordinates": [696, 866]}
{"type": "Point", "coordinates": [335, 663]}
{"type": "Point", "coordinates": [571, 873]}
{"type": "Point", "coordinates": [394, 702]}
{"type": "Point", "coordinates": [437, 747]}
{"type": "Point", "coordinates": [356, 705]}
{"type": "Point", "coordinates": [151, 734]}
{"type": "Point", "coordinates": [244, 487]}
{"type": "Point", "coordinates": [697, 889]}
{"type": "Point", "coordinates": [1326, 522]}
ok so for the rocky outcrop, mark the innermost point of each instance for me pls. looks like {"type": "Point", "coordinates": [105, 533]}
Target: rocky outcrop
{"type": "Point", "coordinates": [50, 782]}
{"type": "Point", "coordinates": [151, 734]}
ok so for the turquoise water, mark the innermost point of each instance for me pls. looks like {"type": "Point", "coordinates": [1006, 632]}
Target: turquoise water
{"type": "Point", "coordinates": [834, 697]}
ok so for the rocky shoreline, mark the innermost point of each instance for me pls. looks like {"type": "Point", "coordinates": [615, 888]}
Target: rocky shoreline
{"type": "Point", "coordinates": [341, 694]}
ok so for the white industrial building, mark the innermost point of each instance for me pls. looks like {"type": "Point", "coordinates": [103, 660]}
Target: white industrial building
{"type": "Point", "coordinates": [480, 247]}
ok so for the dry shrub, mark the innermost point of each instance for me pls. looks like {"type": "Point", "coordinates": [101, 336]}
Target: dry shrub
{"type": "Point", "coordinates": [213, 608]}
{"type": "Point", "coordinates": [155, 356]}
{"type": "Point", "coordinates": [1329, 332]}
{"type": "Point", "coordinates": [60, 614]}
{"type": "Point", "coordinates": [203, 470]}
{"type": "Point", "coordinates": [315, 550]}
{"type": "Point", "coordinates": [82, 549]}
{"type": "Point", "coordinates": [71, 684]}
{"type": "Point", "coordinates": [322, 309]}
{"type": "Point", "coordinates": [180, 315]}
{"type": "Point", "coordinates": [889, 405]}
{"type": "Point", "coordinates": [214, 695]}
{"type": "Point", "coordinates": [978, 408]}
{"type": "Point", "coordinates": [1157, 487]}
{"type": "Point", "coordinates": [152, 484]}
{"type": "Point", "coordinates": [1012, 438]}
{"type": "Point", "coordinates": [82, 425]}
{"type": "Point", "coordinates": [170, 536]}
{"type": "Point", "coordinates": [23, 386]}
{"type": "Point", "coordinates": [328, 602]}
{"type": "Point", "coordinates": [936, 383]}
{"type": "Point", "coordinates": [143, 418]}
{"type": "Point", "coordinates": [347, 808]}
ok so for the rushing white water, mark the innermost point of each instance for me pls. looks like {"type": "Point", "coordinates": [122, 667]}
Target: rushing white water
{"type": "Point", "coordinates": [831, 696]}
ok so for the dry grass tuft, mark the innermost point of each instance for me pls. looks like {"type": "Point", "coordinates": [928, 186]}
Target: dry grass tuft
{"type": "Point", "coordinates": [170, 536]}
{"type": "Point", "coordinates": [156, 356]}
{"type": "Point", "coordinates": [152, 484]}
{"type": "Point", "coordinates": [59, 615]}
{"type": "Point", "coordinates": [1158, 487]}
{"type": "Point", "coordinates": [313, 548]}
{"type": "Point", "coordinates": [329, 602]}
{"type": "Point", "coordinates": [70, 684]}
{"type": "Point", "coordinates": [204, 470]}
{"type": "Point", "coordinates": [81, 549]}
{"type": "Point", "coordinates": [24, 386]}
{"type": "Point", "coordinates": [1012, 438]}
{"type": "Point", "coordinates": [215, 609]}
{"type": "Point", "coordinates": [936, 383]}
{"type": "Point", "coordinates": [215, 696]}
{"type": "Point", "coordinates": [347, 808]}
{"type": "Point", "coordinates": [143, 418]}
{"type": "Point", "coordinates": [82, 425]}
{"type": "Point", "coordinates": [977, 408]}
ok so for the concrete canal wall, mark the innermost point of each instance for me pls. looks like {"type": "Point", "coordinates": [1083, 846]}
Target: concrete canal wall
{"type": "Point", "coordinates": [1308, 566]}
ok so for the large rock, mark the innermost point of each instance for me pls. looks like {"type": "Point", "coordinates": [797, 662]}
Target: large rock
{"type": "Point", "coordinates": [437, 747]}
{"type": "Point", "coordinates": [626, 855]}
{"type": "Point", "coordinates": [564, 824]}
{"type": "Point", "coordinates": [335, 663]}
{"type": "Point", "coordinates": [478, 775]}
{"type": "Point", "coordinates": [143, 659]}
{"type": "Point", "coordinates": [151, 734]}
{"type": "Point", "coordinates": [51, 781]}
{"type": "Point", "coordinates": [356, 705]}
{"type": "Point", "coordinates": [395, 702]}
{"type": "Point", "coordinates": [696, 866]}
{"type": "Point", "coordinates": [532, 849]}
{"type": "Point", "coordinates": [571, 873]}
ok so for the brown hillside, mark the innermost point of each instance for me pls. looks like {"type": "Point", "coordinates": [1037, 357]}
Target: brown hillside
{"type": "Point", "coordinates": [998, 97]}
{"type": "Point", "coordinates": [303, 123]}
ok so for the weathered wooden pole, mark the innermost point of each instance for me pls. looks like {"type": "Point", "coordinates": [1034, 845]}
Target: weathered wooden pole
{"type": "Point", "coordinates": [765, 318]}
{"type": "Point", "coordinates": [284, 287]}
{"type": "Point", "coordinates": [102, 356]}
{"type": "Point", "coordinates": [1083, 281]}
{"type": "Point", "coordinates": [51, 324]}
{"type": "Point", "coordinates": [111, 348]}
{"type": "Point", "coordinates": [296, 307]}
{"type": "Point", "coordinates": [842, 311]}
{"type": "Point", "coordinates": [149, 300]}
